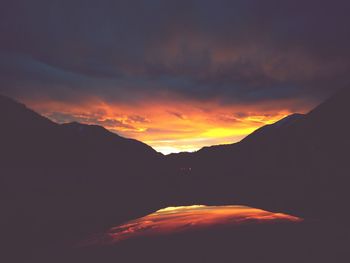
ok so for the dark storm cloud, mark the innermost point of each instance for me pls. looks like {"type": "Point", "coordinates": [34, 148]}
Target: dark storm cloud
{"type": "Point", "coordinates": [243, 51]}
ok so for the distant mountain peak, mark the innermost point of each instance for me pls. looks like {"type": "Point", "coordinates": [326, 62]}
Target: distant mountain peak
{"type": "Point", "coordinates": [17, 119]}
{"type": "Point", "coordinates": [7, 101]}
{"type": "Point", "coordinates": [18, 115]}
{"type": "Point", "coordinates": [82, 126]}
{"type": "Point", "coordinates": [286, 121]}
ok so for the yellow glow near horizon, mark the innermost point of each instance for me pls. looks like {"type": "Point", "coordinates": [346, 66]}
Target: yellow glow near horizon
{"type": "Point", "coordinates": [169, 126]}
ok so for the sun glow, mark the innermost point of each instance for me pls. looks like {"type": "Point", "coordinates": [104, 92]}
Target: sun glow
{"type": "Point", "coordinates": [168, 126]}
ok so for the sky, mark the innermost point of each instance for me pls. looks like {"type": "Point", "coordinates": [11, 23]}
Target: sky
{"type": "Point", "coordinates": [177, 75]}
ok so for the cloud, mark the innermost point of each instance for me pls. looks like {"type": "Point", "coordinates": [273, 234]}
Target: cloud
{"type": "Point", "coordinates": [177, 114]}
{"type": "Point", "coordinates": [90, 119]}
{"type": "Point", "coordinates": [155, 123]}
{"type": "Point", "coordinates": [234, 51]}
{"type": "Point", "coordinates": [166, 71]}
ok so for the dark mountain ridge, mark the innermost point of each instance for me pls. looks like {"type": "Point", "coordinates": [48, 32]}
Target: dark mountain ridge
{"type": "Point", "coordinates": [69, 176]}
{"type": "Point", "coordinates": [80, 178]}
{"type": "Point", "coordinates": [299, 164]}
{"type": "Point", "coordinates": [322, 127]}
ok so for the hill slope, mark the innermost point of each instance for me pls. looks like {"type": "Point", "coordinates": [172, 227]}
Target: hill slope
{"type": "Point", "coordinates": [299, 163]}
{"type": "Point", "coordinates": [69, 176]}
{"type": "Point", "coordinates": [62, 182]}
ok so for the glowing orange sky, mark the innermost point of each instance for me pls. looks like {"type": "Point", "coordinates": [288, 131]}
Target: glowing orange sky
{"type": "Point", "coordinates": [186, 218]}
{"type": "Point", "coordinates": [170, 125]}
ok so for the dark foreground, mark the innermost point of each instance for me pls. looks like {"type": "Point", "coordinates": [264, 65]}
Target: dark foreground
{"type": "Point", "coordinates": [59, 183]}
{"type": "Point", "coordinates": [278, 242]}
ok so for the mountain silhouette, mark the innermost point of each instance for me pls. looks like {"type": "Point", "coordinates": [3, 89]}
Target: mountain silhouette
{"type": "Point", "coordinates": [62, 182]}
{"type": "Point", "coordinates": [70, 176]}
{"type": "Point", "coordinates": [299, 163]}
{"type": "Point", "coordinates": [39, 151]}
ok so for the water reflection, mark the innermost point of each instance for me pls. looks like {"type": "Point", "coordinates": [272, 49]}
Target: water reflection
{"type": "Point", "coordinates": [185, 218]}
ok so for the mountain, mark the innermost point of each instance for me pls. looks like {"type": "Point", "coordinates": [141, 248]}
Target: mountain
{"type": "Point", "coordinates": [298, 164]}
{"type": "Point", "coordinates": [64, 180]}
{"type": "Point", "coordinates": [34, 147]}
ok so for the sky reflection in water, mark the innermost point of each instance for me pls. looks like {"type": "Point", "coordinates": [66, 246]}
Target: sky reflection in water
{"type": "Point", "coordinates": [186, 218]}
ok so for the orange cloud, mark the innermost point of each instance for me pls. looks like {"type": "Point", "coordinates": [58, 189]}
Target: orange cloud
{"type": "Point", "coordinates": [169, 125]}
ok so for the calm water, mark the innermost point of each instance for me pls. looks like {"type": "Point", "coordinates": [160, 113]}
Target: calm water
{"type": "Point", "coordinates": [187, 218]}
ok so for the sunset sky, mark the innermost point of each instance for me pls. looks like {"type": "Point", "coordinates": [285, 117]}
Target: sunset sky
{"type": "Point", "coordinates": [177, 75]}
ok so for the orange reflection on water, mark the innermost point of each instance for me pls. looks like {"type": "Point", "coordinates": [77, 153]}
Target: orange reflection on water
{"type": "Point", "coordinates": [185, 218]}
